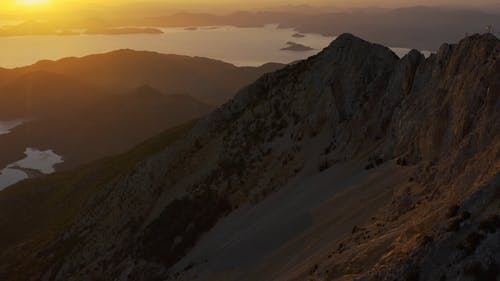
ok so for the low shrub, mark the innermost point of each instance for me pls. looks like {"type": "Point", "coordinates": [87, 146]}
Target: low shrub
{"type": "Point", "coordinates": [471, 242]}
{"type": "Point", "coordinates": [452, 211]}
{"type": "Point", "coordinates": [481, 273]}
{"type": "Point", "coordinates": [490, 224]}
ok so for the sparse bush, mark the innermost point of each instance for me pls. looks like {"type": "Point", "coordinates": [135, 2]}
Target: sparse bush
{"type": "Point", "coordinates": [465, 215]}
{"type": "Point", "coordinates": [402, 162]}
{"type": "Point", "coordinates": [369, 166]}
{"type": "Point", "coordinates": [324, 165]}
{"type": "Point", "coordinates": [452, 211]}
{"type": "Point", "coordinates": [296, 118]}
{"type": "Point", "coordinates": [355, 229]}
{"type": "Point", "coordinates": [412, 274]}
{"type": "Point", "coordinates": [490, 224]}
{"type": "Point", "coordinates": [159, 241]}
{"type": "Point", "coordinates": [313, 269]}
{"type": "Point", "coordinates": [340, 248]}
{"type": "Point", "coordinates": [471, 242]}
{"type": "Point", "coordinates": [480, 273]}
{"type": "Point", "coordinates": [427, 240]}
{"type": "Point", "coordinates": [197, 145]}
{"type": "Point", "coordinates": [329, 149]}
{"type": "Point", "coordinates": [453, 226]}
{"type": "Point", "coordinates": [189, 267]}
{"type": "Point", "coordinates": [283, 124]}
{"type": "Point", "coordinates": [374, 162]}
{"type": "Point", "coordinates": [379, 161]}
{"type": "Point", "coordinates": [473, 269]}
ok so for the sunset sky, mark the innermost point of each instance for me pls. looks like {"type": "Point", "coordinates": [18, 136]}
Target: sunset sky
{"type": "Point", "coordinates": [26, 7]}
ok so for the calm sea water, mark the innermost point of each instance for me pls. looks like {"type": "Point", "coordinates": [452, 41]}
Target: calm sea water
{"type": "Point", "coordinates": [6, 126]}
{"type": "Point", "coordinates": [37, 160]}
{"type": "Point", "coordinates": [240, 46]}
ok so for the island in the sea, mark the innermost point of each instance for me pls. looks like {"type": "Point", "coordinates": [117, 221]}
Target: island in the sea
{"type": "Point", "coordinates": [296, 47]}
{"type": "Point", "coordinates": [48, 28]}
{"type": "Point", "coordinates": [124, 30]}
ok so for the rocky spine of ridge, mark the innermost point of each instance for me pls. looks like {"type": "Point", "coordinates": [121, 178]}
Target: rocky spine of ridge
{"type": "Point", "coordinates": [354, 101]}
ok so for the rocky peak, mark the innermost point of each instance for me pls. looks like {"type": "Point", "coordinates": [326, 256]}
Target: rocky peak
{"type": "Point", "coordinates": [357, 46]}
{"type": "Point", "coordinates": [355, 102]}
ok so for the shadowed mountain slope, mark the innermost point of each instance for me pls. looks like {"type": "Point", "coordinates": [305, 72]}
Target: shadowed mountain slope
{"type": "Point", "coordinates": [351, 165]}
{"type": "Point", "coordinates": [84, 123]}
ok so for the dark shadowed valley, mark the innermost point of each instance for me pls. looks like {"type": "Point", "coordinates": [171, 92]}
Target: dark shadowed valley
{"type": "Point", "coordinates": [92, 107]}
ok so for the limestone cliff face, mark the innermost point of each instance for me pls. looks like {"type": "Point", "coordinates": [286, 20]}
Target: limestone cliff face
{"type": "Point", "coordinates": [356, 102]}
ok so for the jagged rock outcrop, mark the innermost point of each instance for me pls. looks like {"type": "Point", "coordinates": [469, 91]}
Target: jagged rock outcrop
{"type": "Point", "coordinates": [419, 135]}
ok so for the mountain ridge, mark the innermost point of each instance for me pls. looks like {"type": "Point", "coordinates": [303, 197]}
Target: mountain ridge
{"type": "Point", "coordinates": [259, 179]}
{"type": "Point", "coordinates": [123, 70]}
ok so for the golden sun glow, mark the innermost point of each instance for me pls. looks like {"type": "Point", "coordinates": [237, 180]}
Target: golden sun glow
{"type": "Point", "coordinates": [31, 2]}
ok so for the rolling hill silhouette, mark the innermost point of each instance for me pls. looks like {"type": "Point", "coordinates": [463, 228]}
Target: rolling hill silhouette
{"type": "Point", "coordinates": [91, 107]}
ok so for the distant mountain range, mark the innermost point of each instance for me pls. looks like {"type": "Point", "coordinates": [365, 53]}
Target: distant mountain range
{"type": "Point", "coordinates": [88, 108]}
{"type": "Point", "coordinates": [351, 165]}
{"type": "Point", "coordinates": [123, 70]}
{"type": "Point", "coordinates": [419, 27]}
{"type": "Point", "coordinates": [404, 27]}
